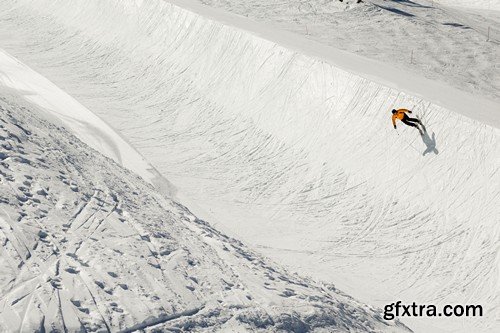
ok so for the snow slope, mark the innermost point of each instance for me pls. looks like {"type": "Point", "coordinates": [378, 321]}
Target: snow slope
{"type": "Point", "coordinates": [89, 246]}
{"type": "Point", "coordinates": [421, 36]}
{"type": "Point", "coordinates": [288, 151]}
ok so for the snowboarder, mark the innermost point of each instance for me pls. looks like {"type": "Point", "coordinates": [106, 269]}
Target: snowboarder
{"type": "Point", "coordinates": [401, 115]}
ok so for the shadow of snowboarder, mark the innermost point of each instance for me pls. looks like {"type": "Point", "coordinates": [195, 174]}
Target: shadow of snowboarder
{"type": "Point", "coordinates": [430, 143]}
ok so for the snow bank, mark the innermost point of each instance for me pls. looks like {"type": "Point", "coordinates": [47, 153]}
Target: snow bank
{"type": "Point", "coordinates": [85, 124]}
{"type": "Point", "coordinates": [285, 149]}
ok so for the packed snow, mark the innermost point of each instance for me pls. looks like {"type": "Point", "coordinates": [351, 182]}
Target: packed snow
{"type": "Point", "coordinates": [276, 138]}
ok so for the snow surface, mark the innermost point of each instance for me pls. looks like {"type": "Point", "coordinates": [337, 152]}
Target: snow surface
{"type": "Point", "coordinates": [475, 4]}
{"type": "Point", "coordinates": [271, 140]}
{"type": "Point", "coordinates": [88, 246]}
{"type": "Point", "coordinates": [420, 36]}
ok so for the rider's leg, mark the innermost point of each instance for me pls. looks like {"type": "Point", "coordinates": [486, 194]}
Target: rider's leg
{"type": "Point", "coordinates": [413, 119]}
{"type": "Point", "coordinates": [405, 121]}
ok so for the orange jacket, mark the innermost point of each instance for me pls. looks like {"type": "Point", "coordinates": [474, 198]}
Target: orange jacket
{"type": "Point", "coordinates": [400, 114]}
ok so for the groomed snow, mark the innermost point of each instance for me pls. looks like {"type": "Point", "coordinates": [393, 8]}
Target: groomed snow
{"type": "Point", "coordinates": [277, 144]}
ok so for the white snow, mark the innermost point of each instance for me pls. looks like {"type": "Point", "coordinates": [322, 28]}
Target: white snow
{"type": "Point", "coordinates": [421, 36]}
{"type": "Point", "coordinates": [89, 246]}
{"type": "Point", "coordinates": [474, 4]}
{"type": "Point", "coordinates": [286, 143]}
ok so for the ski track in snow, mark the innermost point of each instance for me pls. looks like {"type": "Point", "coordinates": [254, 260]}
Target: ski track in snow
{"type": "Point", "coordinates": [285, 151]}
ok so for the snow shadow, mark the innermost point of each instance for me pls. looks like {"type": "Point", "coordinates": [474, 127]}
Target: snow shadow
{"type": "Point", "coordinates": [430, 143]}
{"type": "Point", "coordinates": [396, 11]}
{"type": "Point", "coordinates": [457, 25]}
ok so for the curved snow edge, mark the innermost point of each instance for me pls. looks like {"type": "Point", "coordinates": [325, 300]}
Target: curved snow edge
{"type": "Point", "coordinates": [476, 107]}
{"type": "Point", "coordinates": [86, 125]}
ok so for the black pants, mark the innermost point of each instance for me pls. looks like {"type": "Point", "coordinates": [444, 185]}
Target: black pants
{"type": "Point", "coordinates": [411, 121]}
